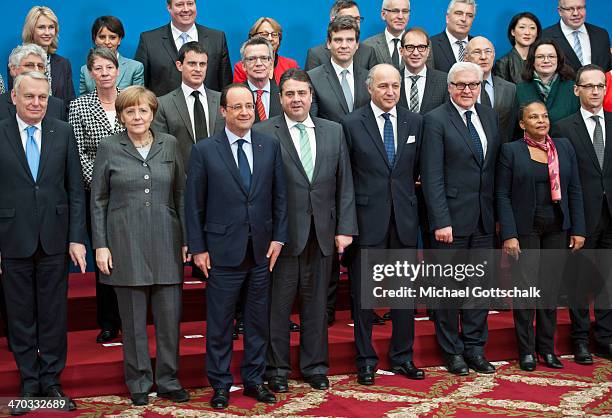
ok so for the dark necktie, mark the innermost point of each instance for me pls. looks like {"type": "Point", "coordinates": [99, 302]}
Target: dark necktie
{"type": "Point", "coordinates": [414, 94]}
{"type": "Point", "coordinates": [598, 141]}
{"type": "Point", "coordinates": [395, 55]}
{"type": "Point", "coordinates": [461, 53]}
{"type": "Point", "coordinates": [474, 135]}
{"type": "Point", "coordinates": [199, 117]}
{"type": "Point", "coordinates": [243, 165]}
{"type": "Point", "coordinates": [484, 96]}
{"type": "Point", "coordinates": [388, 138]}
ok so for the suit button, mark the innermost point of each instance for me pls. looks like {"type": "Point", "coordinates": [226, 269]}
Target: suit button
{"type": "Point", "coordinates": [147, 204]}
{"type": "Point", "coordinates": [147, 190]}
{"type": "Point", "coordinates": [145, 165]}
{"type": "Point", "coordinates": [146, 177]}
{"type": "Point", "coordinates": [36, 188]}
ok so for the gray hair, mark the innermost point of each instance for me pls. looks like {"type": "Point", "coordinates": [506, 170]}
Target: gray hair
{"type": "Point", "coordinates": [101, 52]}
{"type": "Point", "coordinates": [22, 51]}
{"type": "Point", "coordinates": [464, 66]}
{"type": "Point", "coordinates": [256, 40]}
{"type": "Point", "coordinates": [453, 2]}
{"type": "Point", "coordinates": [31, 74]}
{"type": "Point", "coordinates": [373, 70]}
{"type": "Point", "coordinates": [385, 3]}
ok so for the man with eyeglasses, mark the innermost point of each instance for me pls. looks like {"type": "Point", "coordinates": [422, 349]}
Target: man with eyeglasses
{"type": "Point", "coordinates": [236, 212]}
{"type": "Point", "coordinates": [449, 46]}
{"type": "Point", "coordinates": [495, 92]}
{"type": "Point", "coordinates": [396, 14]}
{"type": "Point", "coordinates": [365, 57]}
{"type": "Point", "coordinates": [458, 161]}
{"type": "Point", "coordinates": [590, 130]}
{"type": "Point", "coordinates": [581, 42]}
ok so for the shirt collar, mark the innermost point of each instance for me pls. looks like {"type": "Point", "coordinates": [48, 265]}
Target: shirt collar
{"type": "Point", "coordinates": [568, 31]}
{"type": "Point", "coordinates": [232, 137]}
{"type": "Point", "coordinates": [452, 39]}
{"type": "Point", "coordinates": [378, 111]}
{"type": "Point", "coordinates": [489, 79]}
{"type": "Point", "coordinates": [422, 73]}
{"type": "Point", "coordinates": [188, 90]}
{"type": "Point", "coordinates": [339, 69]}
{"type": "Point", "coordinates": [462, 110]}
{"type": "Point", "coordinates": [291, 123]}
{"type": "Point", "coordinates": [254, 88]}
{"type": "Point", "coordinates": [586, 114]}
{"type": "Point", "coordinates": [22, 125]}
{"type": "Point", "coordinates": [176, 32]}
{"type": "Point", "coordinates": [390, 37]}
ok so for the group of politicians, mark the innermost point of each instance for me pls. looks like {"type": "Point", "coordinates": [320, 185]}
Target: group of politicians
{"type": "Point", "coordinates": [266, 177]}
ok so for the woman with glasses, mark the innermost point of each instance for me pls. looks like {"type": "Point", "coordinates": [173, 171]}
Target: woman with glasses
{"type": "Point", "coordinates": [524, 29]}
{"type": "Point", "coordinates": [548, 79]}
{"type": "Point", "coordinates": [272, 31]}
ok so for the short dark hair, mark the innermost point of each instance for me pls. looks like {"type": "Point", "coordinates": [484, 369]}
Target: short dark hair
{"type": "Point", "coordinates": [589, 67]}
{"type": "Point", "coordinates": [341, 5]}
{"type": "Point", "coordinates": [226, 89]}
{"type": "Point", "coordinates": [565, 71]}
{"type": "Point", "coordinates": [111, 23]}
{"type": "Point", "coordinates": [101, 52]}
{"type": "Point", "coordinates": [514, 22]}
{"type": "Point", "coordinates": [524, 106]}
{"type": "Point", "coordinates": [342, 23]}
{"type": "Point", "coordinates": [296, 74]}
{"type": "Point", "coordinates": [192, 46]}
{"type": "Point", "coordinates": [415, 29]}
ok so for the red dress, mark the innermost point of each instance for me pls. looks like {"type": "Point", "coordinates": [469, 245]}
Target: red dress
{"type": "Point", "coordinates": [282, 65]}
{"type": "Point", "coordinates": [607, 104]}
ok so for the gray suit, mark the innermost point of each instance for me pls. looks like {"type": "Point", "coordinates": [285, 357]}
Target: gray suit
{"type": "Point", "coordinates": [436, 91]}
{"type": "Point", "coordinates": [173, 118]}
{"type": "Point", "coordinates": [506, 107]}
{"type": "Point", "coordinates": [318, 211]}
{"type": "Point", "coordinates": [381, 49]}
{"type": "Point", "coordinates": [137, 212]}
{"type": "Point", "coordinates": [365, 57]}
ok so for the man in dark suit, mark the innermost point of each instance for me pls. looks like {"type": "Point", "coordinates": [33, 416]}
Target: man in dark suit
{"type": "Point", "coordinates": [448, 47]}
{"type": "Point", "coordinates": [581, 42]}
{"type": "Point", "coordinates": [590, 131]}
{"type": "Point", "coordinates": [236, 211]}
{"type": "Point", "coordinates": [158, 50]}
{"type": "Point", "coordinates": [257, 56]}
{"type": "Point", "coordinates": [365, 56]}
{"type": "Point", "coordinates": [383, 142]}
{"type": "Point", "coordinates": [495, 91]}
{"type": "Point", "coordinates": [396, 14]}
{"type": "Point", "coordinates": [319, 182]}
{"type": "Point", "coordinates": [24, 58]}
{"type": "Point", "coordinates": [457, 172]}
{"type": "Point", "coordinates": [191, 112]}
{"type": "Point", "coordinates": [41, 222]}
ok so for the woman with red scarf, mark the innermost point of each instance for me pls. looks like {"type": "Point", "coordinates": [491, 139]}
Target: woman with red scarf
{"type": "Point", "coordinates": [539, 202]}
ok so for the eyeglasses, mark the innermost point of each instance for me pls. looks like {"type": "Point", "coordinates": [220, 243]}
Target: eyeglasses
{"type": "Point", "coordinates": [547, 57]}
{"type": "Point", "coordinates": [592, 87]}
{"type": "Point", "coordinates": [268, 34]}
{"type": "Point", "coordinates": [263, 58]}
{"type": "Point", "coordinates": [34, 66]}
{"type": "Point", "coordinates": [573, 10]}
{"type": "Point", "coordinates": [239, 107]}
{"type": "Point", "coordinates": [397, 11]}
{"type": "Point", "coordinates": [411, 48]}
{"type": "Point", "coordinates": [462, 86]}
{"type": "Point", "coordinates": [478, 52]}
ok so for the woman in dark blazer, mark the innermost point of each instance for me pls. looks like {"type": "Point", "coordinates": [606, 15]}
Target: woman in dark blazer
{"type": "Point", "coordinates": [524, 29]}
{"type": "Point", "coordinates": [539, 201]}
{"type": "Point", "coordinates": [139, 238]}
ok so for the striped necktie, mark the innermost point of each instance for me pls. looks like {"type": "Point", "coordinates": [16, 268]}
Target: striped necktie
{"type": "Point", "coordinates": [578, 46]}
{"type": "Point", "coordinates": [305, 151]}
{"type": "Point", "coordinates": [414, 94]}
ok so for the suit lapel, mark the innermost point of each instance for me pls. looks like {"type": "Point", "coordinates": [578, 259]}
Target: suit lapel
{"type": "Point", "coordinates": [181, 106]}
{"type": "Point", "coordinates": [213, 109]}
{"type": "Point", "coordinates": [46, 145]}
{"type": "Point", "coordinates": [169, 45]}
{"type": "Point", "coordinates": [225, 152]}
{"type": "Point", "coordinates": [585, 140]}
{"type": "Point", "coordinates": [98, 112]}
{"type": "Point", "coordinates": [320, 146]}
{"type": "Point", "coordinates": [129, 147]}
{"type": "Point", "coordinates": [14, 138]}
{"type": "Point", "coordinates": [447, 49]}
{"type": "Point", "coordinates": [382, 46]}
{"type": "Point", "coordinates": [403, 100]}
{"type": "Point", "coordinates": [428, 86]}
{"type": "Point", "coordinates": [284, 136]}
{"type": "Point", "coordinates": [369, 122]}
{"type": "Point", "coordinates": [488, 130]}
{"type": "Point", "coordinates": [334, 83]}
{"type": "Point", "coordinates": [156, 147]}
{"type": "Point", "coordinates": [461, 127]}
{"type": "Point", "coordinates": [122, 66]}
{"type": "Point", "coordinates": [402, 136]}
{"type": "Point", "coordinates": [570, 54]}
{"type": "Point", "coordinates": [258, 155]}
{"type": "Point", "coordinates": [275, 106]}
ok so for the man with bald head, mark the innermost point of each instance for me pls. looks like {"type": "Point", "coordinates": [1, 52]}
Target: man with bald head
{"type": "Point", "coordinates": [581, 42]}
{"type": "Point", "coordinates": [495, 92]}
{"type": "Point", "coordinates": [449, 46]}
{"type": "Point", "coordinates": [383, 142]}
{"type": "Point", "coordinates": [396, 14]}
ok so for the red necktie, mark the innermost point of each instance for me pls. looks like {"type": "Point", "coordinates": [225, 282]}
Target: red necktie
{"type": "Point", "coordinates": [261, 110]}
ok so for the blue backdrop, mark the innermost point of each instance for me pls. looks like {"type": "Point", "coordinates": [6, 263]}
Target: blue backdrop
{"type": "Point", "coordinates": [304, 23]}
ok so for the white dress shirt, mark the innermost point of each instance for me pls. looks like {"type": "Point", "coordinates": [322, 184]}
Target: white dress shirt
{"type": "Point", "coordinates": [192, 35]}
{"type": "Point", "coordinates": [391, 44]}
{"type": "Point", "coordinates": [590, 123]}
{"type": "Point", "coordinates": [454, 46]}
{"type": "Point", "coordinates": [349, 77]}
{"type": "Point", "coordinates": [24, 135]}
{"type": "Point", "coordinates": [265, 97]}
{"type": "Point", "coordinates": [247, 147]}
{"type": "Point", "coordinates": [476, 122]}
{"type": "Point", "coordinates": [190, 100]}
{"type": "Point", "coordinates": [295, 136]}
{"type": "Point", "coordinates": [585, 42]}
{"type": "Point", "coordinates": [380, 121]}
{"type": "Point", "coordinates": [420, 84]}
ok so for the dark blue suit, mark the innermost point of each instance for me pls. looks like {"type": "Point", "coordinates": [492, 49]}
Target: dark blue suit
{"type": "Point", "coordinates": [235, 226]}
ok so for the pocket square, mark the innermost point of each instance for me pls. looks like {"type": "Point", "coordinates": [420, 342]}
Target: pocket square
{"type": "Point", "coordinates": [411, 139]}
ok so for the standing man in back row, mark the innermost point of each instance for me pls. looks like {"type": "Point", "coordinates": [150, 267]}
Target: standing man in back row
{"type": "Point", "coordinates": [449, 46]}
{"type": "Point", "coordinates": [396, 14]}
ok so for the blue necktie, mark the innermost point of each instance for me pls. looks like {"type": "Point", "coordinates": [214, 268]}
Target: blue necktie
{"type": "Point", "coordinates": [474, 135]}
{"type": "Point", "coordinates": [32, 151]}
{"type": "Point", "coordinates": [184, 38]}
{"type": "Point", "coordinates": [388, 138]}
{"type": "Point", "coordinates": [577, 46]}
{"type": "Point", "coordinates": [243, 165]}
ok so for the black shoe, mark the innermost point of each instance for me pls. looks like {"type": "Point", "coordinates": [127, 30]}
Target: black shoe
{"type": "Point", "coordinates": [604, 351]}
{"type": "Point", "coordinates": [220, 399]}
{"type": "Point", "coordinates": [107, 335]}
{"type": "Point", "coordinates": [278, 384]}
{"type": "Point", "coordinates": [409, 370]}
{"type": "Point", "coordinates": [455, 364]}
{"type": "Point", "coordinates": [387, 316]}
{"type": "Point", "coordinates": [239, 328]}
{"type": "Point", "coordinates": [527, 362]}
{"type": "Point", "coordinates": [552, 361]}
{"type": "Point", "coordinates": [331, 318]}
{"type": "Point", "coordinates": [365, 375]}
{"type": "Point", "coordinates": [140, 399]}
{"type": "Point", "coordinates": [480, 364]}
{"type": "Point", "coordinates": [318, 381]}
{"type": "Point", "coordinates": [582, 355]}
{"type": "Point", "coordinates": [21, 408]}
{"type": "Point", "coordinates": [259, 392]}
{"type": "Point", "coordinates": [179, 395]}
{"type": "Point", "coordinates": [377, 319]}
{"type": "Point", "coordinates": [56, 392]}
{"type": "Point", "coordinates": [293, 327]}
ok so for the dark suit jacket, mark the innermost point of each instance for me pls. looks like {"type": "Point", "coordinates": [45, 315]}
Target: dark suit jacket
{"type": "Point", "coordinates": [600, 45]}
{"type": "Point", "coordinates": [443, 57]}
{"type": "Point", "coordinates": [158, 53]}
{"type": "Point", "coordinates": [50, 210]}
{"type": "Point", "coordinates": [275, 108]}
{"type": "Point", "coordinates": [329, 200]}
{"type": "Point", "coordinates": [56, 108]}
{"type": "Point", "coordinates": [379, 188]}
{"type": "Point", "coordinates": [561, 101]}
{"type": "Point", "coordinates": [221, 214]}
{"type": "Point", "coordinates": [515, 193]}
{"type": "Point", "coordinates": [458, 188]}
{"type": "Point", "coordinates": [328, 101]}
{"type": "Point", "coordinates": [506, 107]}
{"type": "Point", "coordinates": [436, 91]}
{"type": "Point", "coordinates": [365, 57]}
{"type": "Point", "coordinates": [172, 117]}
{"type": "Point", "coordinates": [596, 183]}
